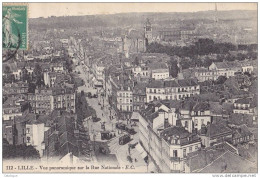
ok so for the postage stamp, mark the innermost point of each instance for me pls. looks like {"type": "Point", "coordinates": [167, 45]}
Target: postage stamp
{"type": "Point", "coordinates": [15, 26]}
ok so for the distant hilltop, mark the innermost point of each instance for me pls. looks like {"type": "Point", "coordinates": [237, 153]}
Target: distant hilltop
{"type": "Point", "coordinates": [128, 19]}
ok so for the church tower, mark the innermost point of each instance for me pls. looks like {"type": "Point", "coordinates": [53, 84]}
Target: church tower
{"type": "Point", "coordinates": [216, 14]}
{"type": "Point", "coordinates": [148, 31]}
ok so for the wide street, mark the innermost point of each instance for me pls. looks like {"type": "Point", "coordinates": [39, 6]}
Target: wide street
{"type": "Point", "coordinates": [94, 128]}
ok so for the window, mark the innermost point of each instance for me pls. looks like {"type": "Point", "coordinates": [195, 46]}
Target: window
{"type": "Point", "coordinates": [28, 130]}
{"type": "Point", "coordinates": [184, 152]}
{"type": "Point", "coordinates": [190, 149]}
{"type": "Point", "coordinates": [186, 124]}
{"type": "Point", "coordinates": [28, 139]}
{"type": "Point", "coordinates": [175, 153]}
{"type": "Point", "coordinates": [196, 147]}
{"type": "Point", "coordinates": [196, 122]}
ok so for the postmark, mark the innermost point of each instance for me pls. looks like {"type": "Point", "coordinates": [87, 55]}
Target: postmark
{"type": "Point", "coordinates": [15, 26]}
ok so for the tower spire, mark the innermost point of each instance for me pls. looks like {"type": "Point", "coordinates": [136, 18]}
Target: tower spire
{"type": "Point", "coordinates": [216, 13]}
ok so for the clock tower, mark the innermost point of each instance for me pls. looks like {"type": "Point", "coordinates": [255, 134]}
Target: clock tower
{"type": "Point", "coordinates": [148, 31]}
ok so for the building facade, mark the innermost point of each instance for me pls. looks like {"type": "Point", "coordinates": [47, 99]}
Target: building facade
{"type": "Point", "coordinates": [172, 89]}
{"type": "Point", "coordinates": [45, 100]}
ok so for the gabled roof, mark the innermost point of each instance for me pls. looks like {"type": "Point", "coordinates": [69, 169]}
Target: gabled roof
{"type": "Point", "coordinates": [242, 131]}
{"type": "Point", "coordinates": [230, 163]}
{"type": "Point", "coordinates": [201, 158]}
{"type": "Point", "coordinates": [183, 137]}
{"type": "Point", "coordinates": [150, 113]}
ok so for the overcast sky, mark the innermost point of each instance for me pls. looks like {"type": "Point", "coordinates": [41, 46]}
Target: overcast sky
{"type": "Point", "coordinates": [74, 9]}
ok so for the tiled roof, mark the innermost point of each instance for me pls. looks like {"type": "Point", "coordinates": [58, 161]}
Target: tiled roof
{"type": "Point", "coordinates": [242, 131]}
{"type": "Point", "coordinates": [243, 101]}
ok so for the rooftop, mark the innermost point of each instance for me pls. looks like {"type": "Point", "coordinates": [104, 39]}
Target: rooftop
{"type": "Point", "coordinates": [217, 129]}
{"type": "Point", "coordinates": [230, 163]}
{"type": "Point", "coordinates": [178, 135]}
{"type": "Point", "coordinates": [172, 83]}
{"type": "Point", "coordinates": [243, 101]}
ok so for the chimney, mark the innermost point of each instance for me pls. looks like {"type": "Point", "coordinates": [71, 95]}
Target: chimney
{"type": "Point", "coordinates": [166, 123]}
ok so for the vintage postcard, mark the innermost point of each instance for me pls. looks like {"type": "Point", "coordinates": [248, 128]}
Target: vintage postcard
{"type": "Point", "coordinates": [130, 88]}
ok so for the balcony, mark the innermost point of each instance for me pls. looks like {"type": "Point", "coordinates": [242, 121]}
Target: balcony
{"type": "Point", "coordinates": [175, 159]}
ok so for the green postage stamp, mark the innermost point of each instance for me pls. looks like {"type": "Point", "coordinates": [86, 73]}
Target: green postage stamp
{"type": "Point", "coordinates": [15, 26]}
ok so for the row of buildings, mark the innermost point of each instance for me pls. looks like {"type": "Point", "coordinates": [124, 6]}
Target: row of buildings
{"type": "Point", "coordinates": [170, 132]}
{"type": "Point", "coordinates": [55, 135]}
{"type": "Point", "coordinates": [227, 69]}
{"type": "Point", "coordinates": [43, 114]}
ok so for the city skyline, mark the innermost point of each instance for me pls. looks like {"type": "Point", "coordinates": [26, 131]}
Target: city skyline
{"type": "Point", "coordinates": [78, 9]}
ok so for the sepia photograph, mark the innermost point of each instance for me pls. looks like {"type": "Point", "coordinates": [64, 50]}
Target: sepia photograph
{"type": "Point", "coordinates": [130, 87]}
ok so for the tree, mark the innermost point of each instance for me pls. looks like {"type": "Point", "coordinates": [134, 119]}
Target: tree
{"type": "Point", "coordinates": [69, 64]}
{"type": "Point", "coordinates": [173, 68]}
{"type": "Point", "coordinates": [19, 151]}
{"type": "Point", "coordinates": [83, 110]}
{"type": "Point", "coordinates": [7, 70]}
{"type": "Point", "coordinates": [31, 87]}
{"type": "Point", "coordinates": [38, 75]}
{"type": "Point", "coordinates": [207, 62]}
{"type": "Point", "coordinates": [9, 78]}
